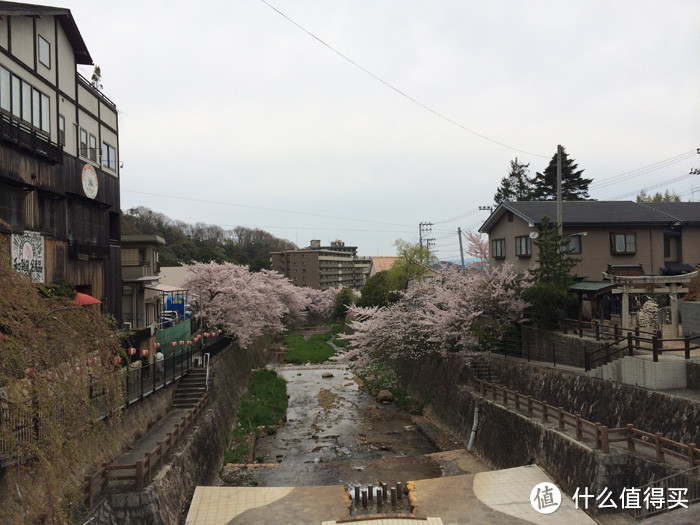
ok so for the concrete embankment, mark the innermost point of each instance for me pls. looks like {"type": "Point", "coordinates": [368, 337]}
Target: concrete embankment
{"type": "Point", "coordinates": [506, 438]}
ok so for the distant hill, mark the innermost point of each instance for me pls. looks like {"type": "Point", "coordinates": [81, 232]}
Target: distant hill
{"type": "Point", "coordinates": [187, 243]}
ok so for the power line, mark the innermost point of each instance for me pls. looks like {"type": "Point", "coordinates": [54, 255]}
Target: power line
{"type": "Point", "coordinates": [397, 90]}
{"type": "Point", "coordinates": [278, 210]}
{"type": "Point", "coordinates": [653, 186]}
{"type": "Point", "coordinates": [622, 177]}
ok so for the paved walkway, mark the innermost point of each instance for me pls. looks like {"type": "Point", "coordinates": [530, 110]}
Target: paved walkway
{"type": "Point", "coordinates": [150, 439]}
{"type": "Point", "coordinates": [487, 497]}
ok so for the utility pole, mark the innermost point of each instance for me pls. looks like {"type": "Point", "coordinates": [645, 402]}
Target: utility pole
{"type": "Point", "coordinates": [424, 227]}
{"type": "Point", "coordinates": [461, 251]}
{"type": "Point", "coordinates": [559, 202]}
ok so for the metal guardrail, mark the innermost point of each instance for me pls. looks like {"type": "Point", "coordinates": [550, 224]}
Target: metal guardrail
{"type": "Point", "coordinates": [686, 479]}
{"type": "Point", "coordinates": [19, 426]}
{"type": "Point", "coordinates": [633, 341]}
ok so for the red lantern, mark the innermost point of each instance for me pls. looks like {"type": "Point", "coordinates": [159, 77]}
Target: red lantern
{"type": "Point", "coordinates": [219, 332]}
{"type": "Point", "coordinates": [173, 344]}
{"type": "Point", "coordinates": [156, 345]}
{"type": "Point", "coordinates": [91, 361]}
{"type": "Point", "coordinates": [132, 351]}
{"type": "Point", "coordinates": [189, 343]}
{"type": "Point", "coordinates": [78, 370]}
{"type": "Point", "coordinates": [29, 372]}
{"type": "Point", "coordinates": [144, 353]}
{"type": "Point", "coordinates": [206, 334]}
{"type": "Point", "coordinates": [50, 375]}
{"type": "Point", "coordinates": [117, 360]}
{"type": "Point", "coordinates": [182, 343]}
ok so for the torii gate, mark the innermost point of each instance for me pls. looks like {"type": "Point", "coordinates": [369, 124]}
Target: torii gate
{"type": "Point", "coordinates": [650, 284]}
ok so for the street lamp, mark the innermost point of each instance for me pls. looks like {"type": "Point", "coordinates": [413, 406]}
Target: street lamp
{"type": "Point", "coordinates": [569, 237]}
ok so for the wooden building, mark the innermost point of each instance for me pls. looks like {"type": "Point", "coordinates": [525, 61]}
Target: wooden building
{"type": "Point", "coordinates": [59, 156]}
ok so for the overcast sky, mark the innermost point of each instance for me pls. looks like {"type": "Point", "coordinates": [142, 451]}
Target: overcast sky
{"type": "Point", "coordinates": [231, 114]}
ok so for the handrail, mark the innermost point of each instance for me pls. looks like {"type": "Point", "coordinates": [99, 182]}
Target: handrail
{"type": "Point", "coordinates": [669, 482]}
{"type": "Point", "coordinates": [142, 469]}
{"type": "Point", "coordinates": [603, 435]}
{"type": "Point", "coordinates": [206, 364]}
{"type": "Point", "coordinates": [634, 341]}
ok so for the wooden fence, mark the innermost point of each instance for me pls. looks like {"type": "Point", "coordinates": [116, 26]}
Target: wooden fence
{"type": "Point", "coordinates": [111, 478]}
{"type": "Point", "coordinates": [601, 434]}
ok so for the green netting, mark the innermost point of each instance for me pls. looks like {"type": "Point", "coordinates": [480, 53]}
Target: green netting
{"type": "Point", "coordinates": [179, 332]}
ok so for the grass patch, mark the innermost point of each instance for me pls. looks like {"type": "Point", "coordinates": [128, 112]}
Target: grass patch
{"type": "Point", "coordinates": [314, 350]}
{"type": "Point", "coordinates": [237, 452]}
{"type": "Point", "coordinates": [264, 405]}
{"type": "Point", "coordinates": [376, 376]}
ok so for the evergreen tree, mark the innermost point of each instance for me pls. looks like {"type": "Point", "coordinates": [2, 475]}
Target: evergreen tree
{"type": "Point", "coordinates": [667, 196]}
{"type": "Point", "coordinates": [517, 186]}
{"type": "Point", "coordinates": [573, 186]}
{"type": "Point", "coordinates": [548, 296]}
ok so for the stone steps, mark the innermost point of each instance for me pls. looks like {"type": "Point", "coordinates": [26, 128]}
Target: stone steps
{"type": "Point", "coordinates": [190, 389]}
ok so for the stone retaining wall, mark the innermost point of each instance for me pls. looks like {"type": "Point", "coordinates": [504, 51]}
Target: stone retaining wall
{"type": "Point", "coordinates": [567, 349]}
{"type": "Point", "coordinates": [610, 403]}
{"type": "Point", "coordinates": [506, 438]}
{"type": "Point", "coordinates": [197, 461]}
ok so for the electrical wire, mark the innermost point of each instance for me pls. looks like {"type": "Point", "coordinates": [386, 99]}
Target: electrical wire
{"type": "Point", "coordinates": [397, 90]}
{"type": "Point", "coordinates": [652, 187]}
{"type": "Point", "coordinates": [622, 177]}
{"type": "Point", "coordinates": [278, 210]}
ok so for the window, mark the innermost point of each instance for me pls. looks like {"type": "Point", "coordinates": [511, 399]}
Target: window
{"type": "Point", "coordinates": [36, 108]}
{"type": "Point", "coordinates": [5, 90]}
{"type": "Point", "coordinates": [498, 248]}
{"type": "Point", "coordinates": [523, 246]}
{"type": "Point", "coordinates": [623, 243]}
{"type": "Point", "coordinates": [574, 244]}
{"type": "Point", "coordinates": [16, 97]}
{"type": "Point", "coordinates": [93, 148]}
{"type": "Point", "coordinates": [61, 130]}
{"type": "Point", "coordinates": [44, 52]}
{"type": "Point", "coordinates": [83, 142]}
{"type": "Point", "coordinates": [109, 157]}
{"type": "Point", "coordinates": [45, 114]}
{"type": "Point", "coordinates": [24, 102]}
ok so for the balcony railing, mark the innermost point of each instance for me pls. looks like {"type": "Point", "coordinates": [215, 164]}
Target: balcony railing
{"type": "Point", "coordinates": [28, 139]}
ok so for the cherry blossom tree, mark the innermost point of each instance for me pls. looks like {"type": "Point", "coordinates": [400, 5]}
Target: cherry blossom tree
{"type": "Point", "coordinates": [242, 303]}
{"type": "Point", "coordinates": [437, 316]}
{"type": "Point", "coordinates": [478, 249]}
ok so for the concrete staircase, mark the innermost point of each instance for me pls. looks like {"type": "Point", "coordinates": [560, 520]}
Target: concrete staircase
{"type": "Point", "coordinates": [190, 389]}
{"type": "Point", "coordinates": [483, 371]}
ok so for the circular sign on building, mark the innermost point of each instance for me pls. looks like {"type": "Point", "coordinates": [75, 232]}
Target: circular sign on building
{"type": "Point", "coordinates": [89, 181]}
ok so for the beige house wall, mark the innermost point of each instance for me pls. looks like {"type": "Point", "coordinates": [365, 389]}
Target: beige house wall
{"type": "Point", "coordinates": [595, 247]}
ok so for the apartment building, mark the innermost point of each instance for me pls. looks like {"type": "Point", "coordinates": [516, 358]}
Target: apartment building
{"type": "Point", "coordinates": [59, 156]}
{"type": "Point", "coordinates": [323, 267]}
